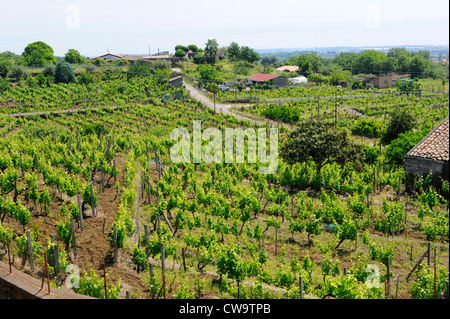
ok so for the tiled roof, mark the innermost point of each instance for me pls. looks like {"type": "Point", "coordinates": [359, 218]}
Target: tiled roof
{"type": "Point", "coordinates": [435, 145]}
{"type": "Point", "coordinates": [263, 77]}
{"type": "Point", "coordinates": [290, 68]}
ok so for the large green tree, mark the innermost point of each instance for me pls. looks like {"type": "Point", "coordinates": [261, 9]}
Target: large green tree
{"type": "Point", "coordinates": [234, 51]}
{"type": "Point", "coordinates": [38, 54]}
{"type": "Point", "coordinates": [321, 143]}
{"type": "Point", "coordinates": [211, 51]}
{"type": "Point", "coordinates": [249, 55]}
{"type": "Point", "coordinates": [74, 57]}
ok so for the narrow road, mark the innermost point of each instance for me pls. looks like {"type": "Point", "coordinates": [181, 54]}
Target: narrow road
{"type": "Point", "coordinates": [225, 108]}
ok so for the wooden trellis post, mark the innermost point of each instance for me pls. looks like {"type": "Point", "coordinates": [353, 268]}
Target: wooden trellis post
{"type": "Point", "coordinates": [80, 208]}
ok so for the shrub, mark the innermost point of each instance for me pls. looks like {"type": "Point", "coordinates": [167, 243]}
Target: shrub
{"type": "Point", "coordinates": [85, 79]}
{"type": "Point", "coordinates": [396, 151]}
{"type": "Point", "coordinates": [4, 85]}
{"type": "Point", "coordinates": [64, 73]}
{"type": "Point", "coordinates": [89, 67]}
{"type": "Point", "coordinates": [49, 70]}
{"type": "Point", "coordinates": [401, 121]}
{"type": "Point", "coordinates": [367, 127]}
{"type": "Point", "coordinates": [17, 73]}
{"type": "Point", "coordinates": [5, 67]}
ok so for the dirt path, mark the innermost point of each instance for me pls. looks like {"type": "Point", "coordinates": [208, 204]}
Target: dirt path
{"type": "Point", "coordinates": [225, 108]}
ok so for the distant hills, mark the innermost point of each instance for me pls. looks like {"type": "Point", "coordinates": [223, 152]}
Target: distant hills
{"type": "Point", "coordinates": [330, 52]}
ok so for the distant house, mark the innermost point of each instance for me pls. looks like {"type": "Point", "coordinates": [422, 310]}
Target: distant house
{"type": "Point", "coordinates": [385, 81]}
{"type": "Point", "coordinates": [221, 54]}
{"type": "Point", "coordinates": [430, 154]}
{"type": "Point", "coordinates": [176, 81]}
{"type": "Point", "coordinates": [288, 68]}
{"type": "Point", "coordinates": [132, 58]}
{"type": "Point", "coordinates": [275, 80]}
{"type": "Point", "coordinates": [110, 56]}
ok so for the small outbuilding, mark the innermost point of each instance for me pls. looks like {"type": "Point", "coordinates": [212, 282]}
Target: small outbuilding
{"type": "Point", "coordinates": [431, 154]}
{"type": "Point", "coordinates": [176, 81]}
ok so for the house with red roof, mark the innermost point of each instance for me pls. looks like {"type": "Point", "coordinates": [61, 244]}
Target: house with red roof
{"type": "Point", "coordinates": [274, 80]}
{"type": "Point", "coordinates": [431, 154]}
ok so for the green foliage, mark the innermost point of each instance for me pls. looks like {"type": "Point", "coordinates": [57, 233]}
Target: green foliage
{"type": "Point", "coordinates": [229, 262]}
{"type": "Point", "coordinates": [208, 72]}
{"type": "Point", "coordinates": [367, 127]}
{"type": "Point", "coordinates": [17, 73]}
{"type": "Point", "coordinates": [211, 51]}
{"type": "Point", "coordinates": [422, 287]}
{"type": "Point", "coordinates": [74, 57]}
{"type": "Point", "coordinates": [92, 285]}
{"type": "Point", "coordinates": [5, 67]}
{"type": "Point", "coordinates": [140, 68]}
{"type": "Point", "coordinates": [398, 148]}
{"type": "Point", "coordinates": [406, 86]}
{"type": "Point", "coordinates": [38, 54]}
{"type": "Point", "coordinates": [4, 85]}
{"type": "Point", "coordinates": [64, 73]}
{"type": "Point", "coordinates": [85, 79]}
{"type": "Point", "coordinates": [321, 143]}
{"type": "Point", "coordinates": [49, 70]}
{"type": "Point", "coordinates": [139, 257]}
{"type": "Point", "coordinates": [401, 121]}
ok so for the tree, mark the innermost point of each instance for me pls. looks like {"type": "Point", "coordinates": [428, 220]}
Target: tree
{"type": "Point", "coordinates": [179, 53]}
{"type": "Point", "coordinates": [234, 51]}
{"type": "Point", "coordinates": [417, 66]}
{"type": "Point", "coordinates": [211, 51]}
{"type": "Point", "coordinates": [369, 61]}
{"type": "Point", "coordinates": [193, 48]}
{"type": "Point", "coordinates": [249, 55]}
{"type": "Point", "coordinates": [321, 143]}
{"type": "Point", "coordinates": [312, 59]}
{"type": "Point", "coordinates": [401, 121]}
{"type": "Point", "coordinates": [5, 67]}
{"type": "Point", "coordinates": [207, 72]}
{"type": "Point", "coordinates": [38, 54]}
{"type": "Point", "coordinates": [74, 57]}
{"type": "Point", "coordinates": [64, 73]}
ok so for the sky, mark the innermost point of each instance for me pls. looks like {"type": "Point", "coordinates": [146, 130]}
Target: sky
{"type": "Point", "coordinates": [136, 26]}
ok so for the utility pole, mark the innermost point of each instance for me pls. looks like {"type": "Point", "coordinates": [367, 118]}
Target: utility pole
{"type": "Point", "coordinates": [335, 109]}
{"type": "Point", "coordinates": [351, 80]}
{"type": "Point", "coordinates": [235, 85]}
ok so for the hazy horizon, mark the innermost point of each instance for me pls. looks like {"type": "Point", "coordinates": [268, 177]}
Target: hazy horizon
{"type": "Point", "coordinates": [139, 27]}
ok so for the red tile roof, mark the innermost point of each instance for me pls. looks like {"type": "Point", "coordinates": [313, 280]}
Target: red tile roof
{"type": "Point", "coordinates": [435, 145]}
{"type": "Point", "coordinates": [263, 77]}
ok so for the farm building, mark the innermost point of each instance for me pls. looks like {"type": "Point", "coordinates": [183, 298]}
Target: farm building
{"type": "Point", "coordinates": [288, 68]}
{"type": "Point", "coordinates": [430, 154]}
{"type": "Point", "coordinates": [132, 58]}
{"type": "Point", "coordinates": [110, 56]}
{"type": "Point", "coordinates": [275, 80]}
{"type": "Point", "coordinates": [385, 81]}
